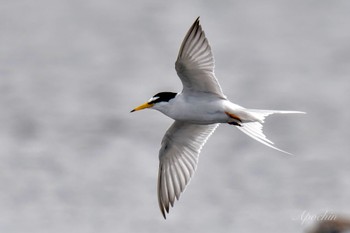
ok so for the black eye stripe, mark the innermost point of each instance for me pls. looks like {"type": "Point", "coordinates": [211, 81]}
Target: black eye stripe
{"type": "Point", "coordinates": [163, 97]}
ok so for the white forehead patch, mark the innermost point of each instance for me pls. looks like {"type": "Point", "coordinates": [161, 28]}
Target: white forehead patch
{"type": "Point", "coordinates": [153, 99]}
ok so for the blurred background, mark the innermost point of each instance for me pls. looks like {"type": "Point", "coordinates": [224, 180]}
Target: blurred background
{"type": "Point", "coordinates": [73, 159]}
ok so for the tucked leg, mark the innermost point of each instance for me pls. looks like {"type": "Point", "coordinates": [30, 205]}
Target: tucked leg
{"type": "Point", "coordinates": [236, 120]}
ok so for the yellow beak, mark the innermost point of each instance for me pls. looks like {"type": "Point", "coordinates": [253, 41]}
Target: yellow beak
{"type": "Point", "coordinates": [142, 106]}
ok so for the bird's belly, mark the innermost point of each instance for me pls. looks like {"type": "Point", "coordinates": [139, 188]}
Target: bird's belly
{"type": "Point", "coordinates": [204, 113]}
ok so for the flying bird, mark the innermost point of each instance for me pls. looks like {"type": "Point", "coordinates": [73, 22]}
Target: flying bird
{"type": "Point", "coordinates": [197, 110]}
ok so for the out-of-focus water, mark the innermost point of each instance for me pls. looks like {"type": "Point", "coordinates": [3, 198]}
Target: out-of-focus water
{"type": "Point", "coordinates": [73, 159]}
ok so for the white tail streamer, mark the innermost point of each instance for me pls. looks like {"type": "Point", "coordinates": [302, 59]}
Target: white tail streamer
{"type": "Point", "coordinates": [255, 129]}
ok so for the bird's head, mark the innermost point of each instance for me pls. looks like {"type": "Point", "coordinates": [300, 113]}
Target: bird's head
{"type": "Point", "coordinates": [157, 100]}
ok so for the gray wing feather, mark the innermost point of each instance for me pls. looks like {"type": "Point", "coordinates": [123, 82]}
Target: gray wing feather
{"type": "Point", "coordinates": [178, 158]}
{"type": "Point", "coordinates": [195, 63]}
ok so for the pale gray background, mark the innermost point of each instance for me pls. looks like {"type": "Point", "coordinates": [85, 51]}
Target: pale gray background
{"type": "Point", "coordinates": [73, 159]}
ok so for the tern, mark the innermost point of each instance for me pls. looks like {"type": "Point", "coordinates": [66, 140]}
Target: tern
{"type": "Point", "coordinates": [197, 110]}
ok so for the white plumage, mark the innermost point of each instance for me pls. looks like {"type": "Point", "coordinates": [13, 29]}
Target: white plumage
{"type": "Point", "coordinates": [197, 112]}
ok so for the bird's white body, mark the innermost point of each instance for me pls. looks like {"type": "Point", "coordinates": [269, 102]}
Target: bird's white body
{"type": "Point", "coordinates": [197, 110]}
{"type": "Point", "coordinates": [203, 109]}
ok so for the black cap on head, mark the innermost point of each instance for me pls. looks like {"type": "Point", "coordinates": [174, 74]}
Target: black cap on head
{"type": "Point", "coordinates": [163, 97]}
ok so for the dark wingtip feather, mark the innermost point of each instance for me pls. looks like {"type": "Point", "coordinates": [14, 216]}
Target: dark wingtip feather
{"type": "Point", "coordinates": [194, 26]}
{"type": "Point", "coordinates": [163, 213]}
{"type": "Point", "coordinates": [161, 205]}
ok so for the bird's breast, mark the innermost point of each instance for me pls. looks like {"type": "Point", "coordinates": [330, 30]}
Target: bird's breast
{"type": "Point", "coordinates": [198, 111]}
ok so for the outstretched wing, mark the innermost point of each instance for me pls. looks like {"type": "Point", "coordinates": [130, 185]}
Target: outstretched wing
{"type": "Point", "coordinates": [195, 63]}
{"type": "Point", "coordinates": [178, 158]}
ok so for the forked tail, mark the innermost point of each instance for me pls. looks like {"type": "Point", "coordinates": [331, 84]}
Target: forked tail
{"type": "Point", "coordinates": [255, 129]}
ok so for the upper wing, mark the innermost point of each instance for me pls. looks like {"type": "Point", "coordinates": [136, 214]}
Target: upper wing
{"type": "Point", "coordinates": [178, 158]}
{"type": "Point", "coordinates": [195, 63]}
